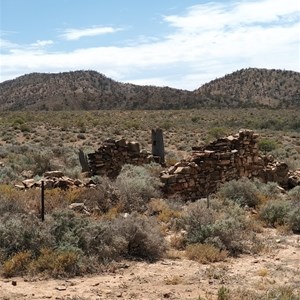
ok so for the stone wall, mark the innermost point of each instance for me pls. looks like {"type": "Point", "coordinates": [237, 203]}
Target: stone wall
{"type": "Point", "coordinates": [112, 155]}
{"type": "Point", "coordinates": [204, 170]}
{"type": "Point", "coordinates": [223, 160]}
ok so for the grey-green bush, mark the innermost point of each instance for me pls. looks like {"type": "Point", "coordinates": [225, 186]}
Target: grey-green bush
{"type": "Point", "coordinates": [21, 232]}
{"type": "Point", "coordinates": [269, 190]}
{"type": "Point", "coordinates": [242, 191]}
{"type": "Point", "coordinates": [143, 237]}
{"type": "Point", "coordinates": [293, 218]}
{"type": "Point", "coordinates": [225, 229]}
{"type": "Point", "coordinates": [136, 186]}
{"type": "Point", "coordinates": [275, 212]}
{"type": "Point", "coordinates": [294, 194]}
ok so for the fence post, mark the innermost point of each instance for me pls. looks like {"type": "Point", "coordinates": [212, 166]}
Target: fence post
{"type": "Point", "coordinates": [43, 201]}
{"type": "Point", "coordinates": [83, 161]}
{"type": "Point", "coordinates": [158, 148]}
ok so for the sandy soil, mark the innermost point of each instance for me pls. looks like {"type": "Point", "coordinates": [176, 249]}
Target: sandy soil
{"type": "Point", "coordinates": [173, 279]}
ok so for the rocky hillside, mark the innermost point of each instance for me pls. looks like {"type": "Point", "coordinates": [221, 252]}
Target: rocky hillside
{"type": "Point", "coordinates": [85, 90]}
{"type": "Point", "coordinates": [90, 90]}
{"type": "Point", "coordinates": [251, 87]}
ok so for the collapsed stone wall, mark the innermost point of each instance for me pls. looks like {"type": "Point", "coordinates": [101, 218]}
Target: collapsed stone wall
{"type": "Point", "coordinates": [204, 170]}
{"type": "Point", "coordinates": [113, 154]}
{"type": "Point", "coordinates": [223, 160]}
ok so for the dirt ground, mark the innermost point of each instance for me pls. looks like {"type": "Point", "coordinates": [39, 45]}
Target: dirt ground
{"type": "Point", "coordinates": [174, 278]}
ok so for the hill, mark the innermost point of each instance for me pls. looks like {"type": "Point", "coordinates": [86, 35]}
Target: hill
{"type": "Point", "coordinates": [254, 87]}
{"type": "Point", "coordinates": [87, 90]}
{"type": "Point", "coordinates": [90, 90]}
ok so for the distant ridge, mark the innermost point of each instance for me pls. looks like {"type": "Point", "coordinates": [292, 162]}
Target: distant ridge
{"type": "Point", "coordinates": [254, 87]}
{"type": "Point", "coordinates": [90, 90]}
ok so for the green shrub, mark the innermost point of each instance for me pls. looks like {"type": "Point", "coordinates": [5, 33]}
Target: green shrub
{"type": "Point", "coordinates": [293, 218]}
{"type": "Point", "coordinates": [275, 212]}
{"type": "Point", "coordinates": [273, 124]}
{"type": "Point", "coordinates": [8, 174]}
{"type": "Point", "coordinates": [25, 128]}
{"type": "Point", "coordinates": [294, 194]}
{"type": "Point", "coordinates": [104, 241]}
{"type": "Point", "coordinates": [270, 190]}
{"type": "Point", "coordinates": [21, 232]}
{"type": "Point", "coordinates": [242, 191]}
{"type": "Point", "coordinates": [284, 293]}
{"type": "Point", "coordinates": [104, 196]}
{"type": "Point", "coordinates": [66, 228]}
{"type": "Point", "coordinates": [200, 221]}
{"type": "Point", "coordinates": [224, 293]}
{"type": "Point", "coordinates": [266, 145]}
{"type": "Point", "coordinates": [91, 238]}
{"type": "Point", "coordinates": [217, 132]}
{"type": "Point", "coordinates": [226, 229]}
{"type": "Point", "coordinates": [41, 162]}
{"type": "Point", "coordinates": [136, 186]}
{"type": "Point", "coordinates": [143, 237]}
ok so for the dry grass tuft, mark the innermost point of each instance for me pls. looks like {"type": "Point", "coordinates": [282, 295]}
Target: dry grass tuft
{"type": "Point", "coordinates": [205, 253]}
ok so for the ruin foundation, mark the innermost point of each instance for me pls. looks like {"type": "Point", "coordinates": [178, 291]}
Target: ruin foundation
{"type": "Point", "coordinates": [112, 155]}
{"type": "Point", "coordinates": [223, 160]}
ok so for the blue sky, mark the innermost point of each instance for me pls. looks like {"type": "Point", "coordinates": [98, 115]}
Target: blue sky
{"type": "Point", "coordinates": [176, 43]}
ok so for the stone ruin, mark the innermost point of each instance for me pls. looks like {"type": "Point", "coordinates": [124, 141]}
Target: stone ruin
{"type": "Point", "coordinates": [204, 170]}
{"type": "Point", "coordinates": [199, 175]}
{"type": "Point", "coordinates": [223, 160]}
{"type": "Point", "coordinates": [113, 154]}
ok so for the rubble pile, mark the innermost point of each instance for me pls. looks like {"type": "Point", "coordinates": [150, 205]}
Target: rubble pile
{"type": "Point", "coordinates": [54, 179]}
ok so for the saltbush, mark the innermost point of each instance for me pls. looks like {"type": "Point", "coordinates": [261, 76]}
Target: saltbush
{"type": "Point", "coordinates": [67, 228]}
{"type": "Point", "coordinates": [103, 197]}
{"type": "Point", "coordinates": [269, 190]}
{"type": "Point", "coordinates": [136, 186]}
{"type": "Point", "coordinates": [60, 244]}
{"type": "Point", "coordinates": [8, 174]}
{"type": "Point", "coordinates": [226, 229]}
{"type": "Point", "coordinates": [294, 194]}
{"type": "Point", "coordinates": [275, 212]}
{"type": "Point", "coordinates": [200, 221]}
{"type": "Point", "coordinates": [242, 191]}
{"type": "Point", "coordinates": [293, 218]}
{"type": "Point", "coordinates": [21, 232]}
{"type": "Point", "coordinates": [143, 237]}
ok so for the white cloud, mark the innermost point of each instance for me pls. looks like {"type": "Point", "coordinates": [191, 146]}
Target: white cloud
{"type": "Point", "coordinates": [76, 34]}
{"type": "Point", "coordinates": [208, 41]}
{"type": "Point", "coordinates": [210, 16]}
{"type": "Point", "coordinates": [6, 44]}
{"type": "Point", "coordinates": [43, 43]}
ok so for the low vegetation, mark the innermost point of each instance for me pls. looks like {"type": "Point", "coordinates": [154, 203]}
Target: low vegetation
{"type": "Point", "coordinates": [129, 218]}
